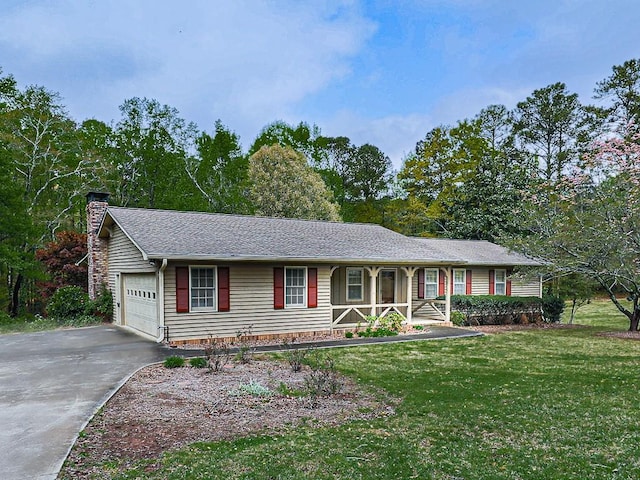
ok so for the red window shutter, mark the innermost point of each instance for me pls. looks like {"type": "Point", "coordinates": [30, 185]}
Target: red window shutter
{"type": "Point", "coordinates": [223, 289]}
{"type": "Point", "coordinates": [278, 288]}
{"type": "Point", "coordinates": [312, 287]}
{"type": "Point", "coordinates": [492, 282]}
{"type": "Point", "coordinates": [469, 282]}
{"type": "Point", "coordinates": [182, 289]}
{"type": "Point", "coordinates": [421, 283]}
{"type": "Point", "coordinates": [441, 283]}
{"type": "Point", "coordinates": [508, 287]}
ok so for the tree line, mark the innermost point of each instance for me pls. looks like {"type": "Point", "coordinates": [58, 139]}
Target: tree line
{"type": "Point", "coordinates": [505, 175]}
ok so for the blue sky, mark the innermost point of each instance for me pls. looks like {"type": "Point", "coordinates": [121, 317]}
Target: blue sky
{"type": "Point", "coordinates": [380, 72]}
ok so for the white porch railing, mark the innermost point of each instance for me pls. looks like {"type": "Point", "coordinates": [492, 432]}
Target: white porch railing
{"type": "Point", "coordinates": [437, 307]}
{"type": "Point", "coordinates": [364, 310]}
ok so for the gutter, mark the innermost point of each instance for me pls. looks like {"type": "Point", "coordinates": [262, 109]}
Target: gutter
{"type": "Point", "coordinates": [315, 260]}
{"type": "Point", "coordinates": [163, 267]}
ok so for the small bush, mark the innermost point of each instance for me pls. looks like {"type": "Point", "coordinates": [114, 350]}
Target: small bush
{"type": "Point", "coordinates": [294, 355]}
{"type": "Point", "coordinates": [552, 308]}
{"type": "Point", "coordinates": [418, 327]}
{"type": "Point", "coordinates": [253, 388]}
{"type": "Point", "coordinates": [216, 354]}
{"type": "Point", "coordinates": [174, 362]}
{"type": "Point", "coordinates": [392, 322]}
{"type": "Point", "coordinates": [103, 304]}
{"type": "Point", "coordinates": [348, 334]}
{"type": "Point", "coordinates": [323, 379]}
{"type": "Point", "coordinates": [69, 303]}
{"type": "Point", "coordinates": [458, 318]}
{"type": "Point", "coordinates": [246, 347]}
{"type": "Point", "coordinates": [198, 362]}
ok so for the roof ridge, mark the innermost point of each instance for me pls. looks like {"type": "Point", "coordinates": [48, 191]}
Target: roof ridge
{"type": "Point", "coordinates": [240, 215]}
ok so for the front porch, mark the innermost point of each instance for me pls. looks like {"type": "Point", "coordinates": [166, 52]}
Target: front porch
{"type": "Point", "coordinates": [361, 291]}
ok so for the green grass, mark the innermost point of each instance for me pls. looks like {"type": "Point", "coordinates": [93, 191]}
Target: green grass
{"type": "Point", "coordinates": [599, 313]}
{"type": "Point", "coordinates": [536, 404]}
{"type": "Point", "coordinates": [39, 324]}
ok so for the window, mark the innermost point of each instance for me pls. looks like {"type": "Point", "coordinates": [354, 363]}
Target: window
{"type": "Point", "coordinates": [430, 282]}
{"type": "Point", "coordinates": [354, 284]}
{"type": "Point", "coordinates": [203, 288]}
{"type": "Point", "coordinates": [500, 282]}
{"type": "Point", "coordinates": [387, 290]}
{"type": "Point", "coordinates": [459, 282]}
{"type": "Point", "coordinates": [295, 291]}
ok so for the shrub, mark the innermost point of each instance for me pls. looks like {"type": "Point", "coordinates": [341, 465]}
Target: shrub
{"type": "Point", "coordinates": [216, 354]}
{"type": "Point", "coordinates": [198, 362]}
{"type": "Point", "coordinates": [496, 309]}
{"type": "Point", "coordinates": [552, 308]}
{"type": "Point", "coordinates": [392, 322]}
{"type": "Point", "coordinates": [246, 347]}
{"type": "Point", "coordinates": [458, 318]}
{"type": "Point", "coordinates": [323, 379]}
{"type": "Point", "coordinates": [348, 334]}
{"type": "Point", "coordinates": [294, 355]}
{"type": "Point", "coordinates": [174, 362]}
{"type": "Point", "coordinates": [68, 303]}
{"type": "Point", "coordinates": [253, 388]}
{"type": "Point", "coordinates": [103, 304]}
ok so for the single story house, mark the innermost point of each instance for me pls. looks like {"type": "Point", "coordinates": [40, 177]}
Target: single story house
{"type": "Point", "coordinates": [186, 276]}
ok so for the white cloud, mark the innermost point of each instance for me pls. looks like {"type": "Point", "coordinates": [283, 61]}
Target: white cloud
{"type": "Point", "coordinates": [395, 135]}
{"type": "Point", "coordinates": [245, 62]}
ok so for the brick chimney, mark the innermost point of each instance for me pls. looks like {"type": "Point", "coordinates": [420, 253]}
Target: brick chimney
{"type": "Point", "coordinates": [97, 204]}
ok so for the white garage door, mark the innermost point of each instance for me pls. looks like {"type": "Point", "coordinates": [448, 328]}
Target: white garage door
{"type": "Point", "coordinates": [140, 311]}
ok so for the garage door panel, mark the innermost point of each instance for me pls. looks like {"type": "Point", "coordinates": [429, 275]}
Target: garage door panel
{"type": "Point", "coordinates": [140, 307]}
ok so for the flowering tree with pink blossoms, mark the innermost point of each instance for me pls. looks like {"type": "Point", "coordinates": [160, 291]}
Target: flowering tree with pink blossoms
{"type": "Point", "coordinates": [589, 224]}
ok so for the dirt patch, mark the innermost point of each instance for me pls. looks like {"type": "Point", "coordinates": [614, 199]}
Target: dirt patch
{"type": "Point", "coordinates": [521, 327]}
{"type": "Point", "coordinates": [162, 409]}
{"type": "Point", "coordinates": [624, 335]}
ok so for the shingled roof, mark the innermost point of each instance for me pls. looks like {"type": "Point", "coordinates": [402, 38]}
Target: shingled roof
{"type": "Point", "coordinates": [478, 252]}
{"type": "Point", "coordinates": [174, 235]}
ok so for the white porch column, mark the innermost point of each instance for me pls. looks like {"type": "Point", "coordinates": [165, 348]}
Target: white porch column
{"type": "Point", "coordinates": [410, 271]}
{"type": "Point", "coordinates": [373, 275]}
{"type": "Point", "coordinates": [447, 294]}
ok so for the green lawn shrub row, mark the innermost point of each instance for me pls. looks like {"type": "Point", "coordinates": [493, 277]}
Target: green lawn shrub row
{"type": "Point", "coordinates": [497, 309]}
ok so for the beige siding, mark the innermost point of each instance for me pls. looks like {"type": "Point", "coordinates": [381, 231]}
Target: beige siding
{"type": "Point", "coordinates": [123, 257]}
{"type": "Point", "coordinates": [251, 299]}
{"type": "Point", "coordinates": [479, 281]}
{"type": "Point", "coordinates": [528, 287]}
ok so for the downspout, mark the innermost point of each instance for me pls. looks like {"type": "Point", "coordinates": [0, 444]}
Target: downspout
{"type": "Point", "coordinates": [161, 329]}
{"type": "Point", "coordinates": [447, 295]}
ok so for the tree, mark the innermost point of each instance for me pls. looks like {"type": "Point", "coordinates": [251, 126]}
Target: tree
{"type": "Point", "coordinates": [367, 173]}
{"type": "Point", "coordinates": [46, 165]}
{"type": "Point", "coordinates": [591, 227]}
{"type": "Point", "coordinates": [62, 259]}
{"type": "Point", "coordinates": [623, 87]}
{"type": "Point", "coordinates": [283, 185]}
{"type": "Point", "coordinates": [151, 143]}
{"type": "Point", "coordinates": [552, 127]}
{"type": "Point", "coordinates": [578, 289]}
{"type": "Point", "coordinates": [220, 171]}
{"type": "Point", "coordinates": [302, 138]}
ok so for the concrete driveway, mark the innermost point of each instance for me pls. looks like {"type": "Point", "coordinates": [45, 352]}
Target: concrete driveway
{"type": "Point", "coordinates": [51, 383]}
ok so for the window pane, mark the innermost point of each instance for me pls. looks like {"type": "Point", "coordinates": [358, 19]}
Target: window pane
{"type": "Point", "coordinates": [295, 286]}
{"type": "Point", "coordinates": [430, 283]}
{"type": "Point", "coordinates": [354, 284]}
{"type": "Point", "coordinates": [459, 283]}
{"type": "Point", "coordinates": [203, 288]}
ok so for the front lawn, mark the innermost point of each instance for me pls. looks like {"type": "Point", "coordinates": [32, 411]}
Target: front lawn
{"type": "Point", "coordinates": [537, 404]}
